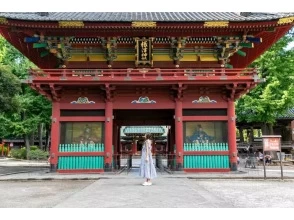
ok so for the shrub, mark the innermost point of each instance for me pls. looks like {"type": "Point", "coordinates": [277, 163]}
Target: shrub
{"type": "Point", "coordinates": [4, 151]}
{"type": "Point", "coordinates": [38, 155]}
{"type": "Point", "coordinates": [34, 147]}
{"type": "Point", "coordinates": [23, 153]}
{"type": "Point", "coordinates": [15, 153]}
{"type": "Point", "coordinates": [19, 153]}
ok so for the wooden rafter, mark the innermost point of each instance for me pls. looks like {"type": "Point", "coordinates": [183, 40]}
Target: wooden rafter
{"type": "Point", "coordinates": [38, 88]}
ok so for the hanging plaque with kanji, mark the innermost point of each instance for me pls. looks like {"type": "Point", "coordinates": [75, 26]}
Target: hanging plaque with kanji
{"type": "Point", "coordinates": [144, 52]}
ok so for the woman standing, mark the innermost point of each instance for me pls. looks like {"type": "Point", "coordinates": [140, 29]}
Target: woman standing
{"type": "Point", "coordinates": [147, 168]}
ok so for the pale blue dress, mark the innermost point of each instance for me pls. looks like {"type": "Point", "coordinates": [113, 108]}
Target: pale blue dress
{"type": "Point", "coordinates": [147, 169]}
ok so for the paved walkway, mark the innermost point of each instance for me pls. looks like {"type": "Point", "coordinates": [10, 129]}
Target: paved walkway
{"type": "Point", "coordinates": [39, 170]}
{"type": "Point", "coordinates": [245, 188]}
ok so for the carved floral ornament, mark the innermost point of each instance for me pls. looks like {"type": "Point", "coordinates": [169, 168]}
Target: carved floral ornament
{"type": "Point", "coordinates": [143, 100]}
{"type": "Point", "coordinates": [203, 99]}
{"type": "Point", "coordinates": [3, 21]}
{"type": "Point", "coordinates": [82, 100]}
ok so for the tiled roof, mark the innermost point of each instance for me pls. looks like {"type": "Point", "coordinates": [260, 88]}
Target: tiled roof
{"type": "Point", "coordinates": [144, 16]}
{"type": "Point", "coordinates": [288, 115]}
{"type": "Point", "coordinates": [129, 130]}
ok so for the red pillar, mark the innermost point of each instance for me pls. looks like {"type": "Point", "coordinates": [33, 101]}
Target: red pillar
{"type": "Point", "coordinates": [115, 138]}
{"type": "Point", "coordinates": [108, 135]}
{"type": "Point", "coordinates": [115, 145]}
{"type": "Point", "coordinates": [179, 134]}
{"type": "Point", "coordinates": [134, 147]}
{"type": "Point", "coordinates": [232, 135]}
{"type": "Point", "coordinates": [55, 135]}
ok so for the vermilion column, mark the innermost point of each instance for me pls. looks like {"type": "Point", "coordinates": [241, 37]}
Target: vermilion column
{"type": "Point", "coordinates": [108, 136]}
{"type": "Point", "coordinates": [55, 135]}
{"type": "Point", "coordinates": [134, 147]}
{"type": "Point", "coordinates": [179, 134]}
{"type": "Point", "coordinates": [115, 144]}
{"type": "Point", "coordinates": [232, 135]}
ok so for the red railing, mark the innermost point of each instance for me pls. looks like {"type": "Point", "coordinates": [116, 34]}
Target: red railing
{"type": "Point", "coordinates": [141, 74]}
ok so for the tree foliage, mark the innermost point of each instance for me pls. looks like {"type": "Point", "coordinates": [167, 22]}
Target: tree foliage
{"type": "Point", "coordinates": [275, 96]}
{"type": "Point", "coordinates": [9, 88]}
{"type": "Point", "coordinates": [23, 109]}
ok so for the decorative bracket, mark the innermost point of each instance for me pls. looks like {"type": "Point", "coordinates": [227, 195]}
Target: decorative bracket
{"type": "Point", "coordinates": [179, 90]}
{"type": "Point", "coordinates": [59, 46]}
{"type": "Point", "coordinates": [228, 46]}
{"type": "Point", "coordinates": [177, 45]}
{"type": "Point", "coordinates": [233, 90]}
{"type": "Point", "coordinates": [110, 47]}
{"type": "Point", "coordinates": [53, 92]}
{"type": "Point", "coordinates": [108, 91]}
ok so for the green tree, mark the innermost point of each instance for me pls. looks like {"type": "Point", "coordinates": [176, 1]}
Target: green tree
{"type": "Point", "coordinates": [28, 110]}
{"type": "Point", "coordinates": [275, 96]}
{"type": "Point", "coordinates": [9, 88]}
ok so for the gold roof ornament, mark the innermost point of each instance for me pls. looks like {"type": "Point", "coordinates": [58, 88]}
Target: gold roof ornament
{"type": "Point", "coordinates": [285, 20]}
{"type": "Point", "coordinates": [144, 24]}
{"type": "Point", "coordinates": [3, 21]}
{"type": "Point", "coordinates": [216, 24]}
{"type": "Point", "coordinates": [69, 24]}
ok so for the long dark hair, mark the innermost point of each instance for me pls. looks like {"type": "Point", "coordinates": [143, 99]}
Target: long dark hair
{"type": "Point", "coordinates": [148, 136]}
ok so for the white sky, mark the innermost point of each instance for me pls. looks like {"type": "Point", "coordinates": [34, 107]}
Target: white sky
{"type": "Point", "coordinates": [146, 5]}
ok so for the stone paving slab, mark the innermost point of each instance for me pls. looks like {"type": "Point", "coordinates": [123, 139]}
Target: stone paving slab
{"type": "Point", "coordinates": [164, 193]}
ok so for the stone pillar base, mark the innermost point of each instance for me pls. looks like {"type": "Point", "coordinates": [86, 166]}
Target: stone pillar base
{"type": "Point", "coordinates": [179, 167]}
{"type": "Point", "coordinates": [53, 167]}
{"type": "Point", "coordinates": [107, 168]}
{"type": "Point", "coordinates": [234, 167]}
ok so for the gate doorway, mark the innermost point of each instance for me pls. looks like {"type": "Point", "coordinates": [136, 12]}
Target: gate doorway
{"type": "Point", "coordinates": [130, 127]}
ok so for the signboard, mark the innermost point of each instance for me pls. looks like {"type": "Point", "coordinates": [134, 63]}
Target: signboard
{"type": "Point", "coordinates": [271, 143]}
{"type": "Point", "coordinates": [144, 51]}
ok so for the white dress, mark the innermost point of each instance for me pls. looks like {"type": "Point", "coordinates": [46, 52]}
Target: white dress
{"type": "Point", "coordinates": [147, 169]}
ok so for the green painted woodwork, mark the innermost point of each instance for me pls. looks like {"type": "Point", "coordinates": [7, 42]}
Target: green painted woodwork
{"type": "Point", "coordinates": [143, 130]}
{"type": "Point", "coordinates": [241, 53]}
{"type": "Point", "coordinates": [247, 45]}
{"type": "Point", "coordinates": [206, 161]}
{"type": "Point", "coordinates": [99, 147]}
{"type": "Point", "coordinates": [80, 162]}
{"type": "Point", "coordinates": [229, 66]}
{"type": "Point", "coordinates": [44, 53]}
{"type": "Point", "coordinates": [39, 45]}
{"type": "Point", "coordinates": [206, 147]}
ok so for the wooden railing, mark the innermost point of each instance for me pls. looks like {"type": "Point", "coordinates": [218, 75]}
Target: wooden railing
{"type": "Point", "coordinates": [258, 145]}
{"type": "Point", "coordinates": [147, 74]}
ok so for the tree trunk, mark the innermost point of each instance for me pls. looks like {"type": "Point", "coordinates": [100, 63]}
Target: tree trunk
{"type": "Point", "coordinates": [27, 144]}
{"type": "Point", "coordinates": [48, 128]}
{"type": "Point", "coordinates": [40, 135]}
{"type": "Point", "coordinates": [241, 135]}
{"type": "Point", "coordinates": [251, 135]}
{"type": "Point", "coordinates": [270, 129]}
{"type": "Point", "coordinates": [26, 136]}
{"type": "Point", "coordinates": [264, 129]}
{"type": "Point", "coordinates": [32, 139]}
